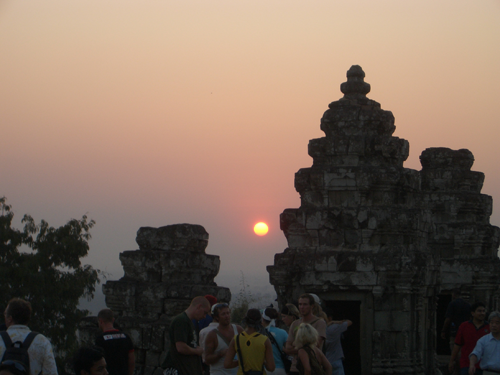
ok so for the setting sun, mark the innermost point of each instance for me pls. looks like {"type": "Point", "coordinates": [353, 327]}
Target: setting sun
{"type": "Point", "coordinates": [260, 229]}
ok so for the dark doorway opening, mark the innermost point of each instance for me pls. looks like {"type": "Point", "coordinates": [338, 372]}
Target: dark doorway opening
{"type": "Point", "coordinates": [351, 338]}
{"type": "Point", "coordinates": [442, 346]}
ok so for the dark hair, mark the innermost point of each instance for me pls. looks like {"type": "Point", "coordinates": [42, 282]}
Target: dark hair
{"type": "Point", "coordinates": [217, 308]}
{"type": "Point", "coordinates": [85, 358]}
{"type": "Point", "coordinates": [309, 297]}
{"type": "Point", "coordinates": [474, 306]}
{"type": "Point", "coordinates": [328, 311]}
{"type": "Point", "coordinates": [253, 319]}
{"type": "Point", "coordinates": [19, 310]}
{"type": "Point", "coordinates": [106, 315]}
{"type": "Point", "coordinates": [271, 313]}
{"type": "Point", "coordinates": [291, 310]}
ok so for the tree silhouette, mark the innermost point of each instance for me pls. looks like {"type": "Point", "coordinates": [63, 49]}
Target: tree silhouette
{"type": "Point", "coordinates": [41, 264]}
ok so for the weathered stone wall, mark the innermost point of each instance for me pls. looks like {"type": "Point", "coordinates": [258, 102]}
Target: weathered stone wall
{"type": "Point", "coordinates": [371, 231]}
{"type": "Point", "coordinates": [169, 269]}
{"type": "Point", "coordinates": [462, 234]}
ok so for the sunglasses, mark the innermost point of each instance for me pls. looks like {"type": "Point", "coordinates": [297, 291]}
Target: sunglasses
{"type": "Point", "coordinates": [218, 307]}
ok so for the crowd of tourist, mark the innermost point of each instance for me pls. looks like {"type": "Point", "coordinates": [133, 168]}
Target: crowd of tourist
{"type": "Point", "coordinates": [474, 342]}
{"type": "Point", "coordinates": [203, 341]}
{"type": "Point", "coordinates": [301, 340]}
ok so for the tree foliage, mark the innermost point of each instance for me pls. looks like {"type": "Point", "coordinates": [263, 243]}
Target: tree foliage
{"type": "Point", "coordinates": [242, 302]}
{"type": "Point", "coordinates": [41, 264]}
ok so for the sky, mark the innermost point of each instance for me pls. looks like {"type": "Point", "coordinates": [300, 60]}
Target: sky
{"type": "Point", "coordinates": [158, 112]}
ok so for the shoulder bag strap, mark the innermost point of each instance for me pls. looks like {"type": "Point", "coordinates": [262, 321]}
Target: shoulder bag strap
{"type": "Point", "coordinates": [312, 354]}
{"type": "Point", "coordinates": [314, 321]}
{"type": "Point", "coordinates": [275, 343]}
{"type": "Point", "coordinates": [6, 339]}
{"type": "Point", "coordinates": [29, 339]}
{"type": "Point", "coordinates": [272, 339]}
{"type": "Point", "coordinates": [239, 353]}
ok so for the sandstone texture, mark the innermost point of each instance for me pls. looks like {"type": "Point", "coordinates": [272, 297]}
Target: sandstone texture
{"type": "Point", "coordinates": [169, 269]}
{"type": "Point", "coordinates": [388, 238]}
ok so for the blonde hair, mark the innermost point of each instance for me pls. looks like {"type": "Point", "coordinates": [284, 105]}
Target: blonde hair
{"type": "Point", "coordinates": [318, 311]}
{"type": "Point", "coordinates": [306, 336]}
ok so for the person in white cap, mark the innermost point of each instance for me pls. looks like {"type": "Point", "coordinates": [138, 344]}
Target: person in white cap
{"type": "Point", "coordinates": [278, 339]}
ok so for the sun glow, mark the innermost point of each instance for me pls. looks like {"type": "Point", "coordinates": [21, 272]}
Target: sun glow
{"type": "Point", "coordinates": [260, 229]}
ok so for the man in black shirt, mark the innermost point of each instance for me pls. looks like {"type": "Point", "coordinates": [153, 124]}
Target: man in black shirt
{"type": "Point", "coordinates": [118, 347]}
{"type": "Point", "coordinates": [184, 355]}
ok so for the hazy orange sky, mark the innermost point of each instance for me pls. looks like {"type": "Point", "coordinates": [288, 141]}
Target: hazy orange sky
{"type": "Point", "coordinates": [149, 113]}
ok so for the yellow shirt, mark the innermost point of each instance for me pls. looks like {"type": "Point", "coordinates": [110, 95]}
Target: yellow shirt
{"type": "Point", "coordinates": [253, 350]}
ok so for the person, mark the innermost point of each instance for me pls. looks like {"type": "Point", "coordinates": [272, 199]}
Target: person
{"type": "Point", "coordinates": [89, 361]}
{"type": "Point", "coordinates": [306, 303]}
{"type": "Point", "coordinates": [468, 334]}
{"type": "Point", "coordinates": [317, 310]}
{"type": "Point", "coordinates": [333, 346]}
{"type": "Point", "coordinates": [218, 339]}
{"type": "Point", "coordinates": [311, 360]}
{"type": "Point", "coordinates": [289, 313]}
{"type": "Point", "coordinates": [253, 348]}
{"type": "Point", "coordinates": [184, 355]}
{"type": "Point", "coordinates": [278, 338]}
{"type": "Point", "coordinates": [117, 345]}
{"type": "Point", "coordinates": [17, 316]}
{"type": "Point", "coordinates": [203, 336]}
{"type": "Point", "coordinates": [457, 312]}
{"type": "Point", "coordinates": [487, 349]}
{"type": "Point", "coordinates": [199, 325]}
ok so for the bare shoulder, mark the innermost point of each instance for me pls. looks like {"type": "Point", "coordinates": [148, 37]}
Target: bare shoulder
{"type": "Point", "coordinates": [318, 351]}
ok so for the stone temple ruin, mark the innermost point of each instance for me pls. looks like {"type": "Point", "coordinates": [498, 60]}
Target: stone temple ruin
{"type": "Point", "coordinates": [169, 269]}
{"type": "Point", "coordinates": [381, 244]}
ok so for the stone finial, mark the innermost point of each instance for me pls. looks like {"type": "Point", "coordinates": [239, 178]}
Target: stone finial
{"type": "Point", "coordinates": [446, 158]}
{"type": "Point", "coordinates": [355, 85]}
{"type": "Point", "coordinates": [187, 237]}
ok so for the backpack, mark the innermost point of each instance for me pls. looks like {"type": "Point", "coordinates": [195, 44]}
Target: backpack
{"type": "Point", "coordinates": [316, 368]}
{"type": "Point", "coordinates": [18, 351]}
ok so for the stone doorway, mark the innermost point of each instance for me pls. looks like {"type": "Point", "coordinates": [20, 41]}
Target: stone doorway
{"type": "Point", "coordinates": [442, 346]}
{"type": "Point", "coordinates": [351, 341]}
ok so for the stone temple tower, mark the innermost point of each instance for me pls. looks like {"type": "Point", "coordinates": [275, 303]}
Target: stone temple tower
{"type": "Point", "coordinates": [364, 238]}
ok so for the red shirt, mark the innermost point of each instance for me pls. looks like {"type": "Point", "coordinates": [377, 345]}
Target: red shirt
{"type": "Point", "coordinates": [467, 337]}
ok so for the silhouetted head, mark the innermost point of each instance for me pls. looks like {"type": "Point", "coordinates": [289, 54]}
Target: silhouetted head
{"type": "Point", "coordinates": [18, 311]}
{"type": "Point", "coordinates": [253, 319]}
{"type": "Point", "coordinates": [89, 361]}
